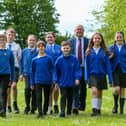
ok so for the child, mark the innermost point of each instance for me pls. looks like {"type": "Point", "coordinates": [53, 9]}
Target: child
{"type": "Point", "coordinates": [53, 50]}
{"type": "Point", "coordinates": [41, 77]}
{"type": "Point", "coordinates": [118, 63]}
{"type": "Point", "coordinates": [15, 48]}
{"type": "Point", "coordinates": [97, 66]}
{"type": "Point", "coordinates": [67, 75]}
{"type": "Point", "coordinates": [6, 73]}
{"type": "Point", "coordinates": [25, 69]}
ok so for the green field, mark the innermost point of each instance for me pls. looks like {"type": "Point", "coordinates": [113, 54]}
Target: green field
{"type": "Point", "coordinates": [83, 119]}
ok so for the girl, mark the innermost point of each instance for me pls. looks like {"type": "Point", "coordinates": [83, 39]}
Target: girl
{"type": "Point", "coordinates": [25, 69]}
{"type": "Point", "coordinates": [41, 77]}
{"type": "Point", "coordinates": [118, 63]}
{"type": "Point", "coordinates": [97, 66]}
{"type": "Point", "coordinates": [6, 73]}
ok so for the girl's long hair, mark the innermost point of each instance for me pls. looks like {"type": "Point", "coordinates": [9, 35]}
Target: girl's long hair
{"type": "Point", "coordinates": [91, 43]}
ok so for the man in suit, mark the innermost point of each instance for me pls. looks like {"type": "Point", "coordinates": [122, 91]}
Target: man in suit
{"type": "Point", "coordinates": [79, 45]}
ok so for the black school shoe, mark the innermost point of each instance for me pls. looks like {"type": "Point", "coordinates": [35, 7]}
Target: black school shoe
{"type": "Point", "coordinates": [68, 113]}
{"type": "Point", "coordinates": [56, 109]}
{"type": "Point", "coordinates": [26, 110]}
{"type": "Point", "coordinates": [2, 114]}
{"type": "Point", "coordinates": [32, 111]}
{"type": "Point", "coordinates": [94, 112]}
{"type": "Point", "coordinates": [40, 115]}
{"type": "Point", "coordinates": [15, 107]}
{"type": "Point", "coordinates": [75, 111]}
{"type": "Point", "coordinates": [9, 109]}
{"type": "Point", "coordinates": [115, 110]}
{"type": "Point", "coordinates": [62, 114]}
{"type": "Point", "coordinates": [98, 112]}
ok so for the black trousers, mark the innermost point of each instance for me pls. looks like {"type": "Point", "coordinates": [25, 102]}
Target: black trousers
{"type": "Point", "coordinates": [30, 95]}
{"type": "Point", "coordinates": [66, 97]}
{"type": "Point", "coordinates": [82, 92]}
{"type": "Point", "coordinates": [39, 90]}
{"type": "Point", "coordinates": [4, 81]}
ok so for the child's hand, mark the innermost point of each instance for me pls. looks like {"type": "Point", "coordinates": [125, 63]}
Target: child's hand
{"type": "Point", "coordinates": [21, 77]}
{"type": "Point", "coordinates": [111, 55]}
{"type": "Point", "coordinates": [10, 83]}
{"type": "Point", "coordinates": [56, 86]}
{"type": "Point", "coordinates": [88, 51]}
{"type": "Point", "coordinates": [77, 82]}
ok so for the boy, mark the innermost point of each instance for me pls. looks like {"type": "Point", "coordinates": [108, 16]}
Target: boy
{"type": "Point", "coordinates": [6, 73]}
{"type": "Point", "coordinates": [15, 48]}
{"type": "Point", "coordinates": [41, 77]}
{"type": "Point", "coordinates": [67, 75]}
{"type": "Point", "coordinates": [25, 69]}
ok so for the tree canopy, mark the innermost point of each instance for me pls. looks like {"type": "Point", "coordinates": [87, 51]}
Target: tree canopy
{"type": "Point", "coordinates": [28, 17]}
{"type": "Point", "coordinates": [112, 17]}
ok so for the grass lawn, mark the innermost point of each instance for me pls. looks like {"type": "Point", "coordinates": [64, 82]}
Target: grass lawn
{"type": "Point", "coordinates": [83, 119]}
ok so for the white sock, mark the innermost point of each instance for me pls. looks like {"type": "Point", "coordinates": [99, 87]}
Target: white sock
{"type": "Point", "coordinates": [94, 102]}
{"type": "Point", "coordinates": [122, 96]}
{"type": "Point", "coordinates": [49, 108]}
{"type": "Point", "coordinates": [99, 103]}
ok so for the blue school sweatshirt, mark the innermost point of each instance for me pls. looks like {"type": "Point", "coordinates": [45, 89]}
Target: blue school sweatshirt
{"type": "Point", "coordinates": [119, 57]}
{"type": "Point", "coordinates": [7, 63]}
{"type": "Point", "coordinates": [26, 60]}
{"type": "Point", "coordinates": [98, 64]}
{"type": "Point", "coordinates": [67, 70]}
{"type": "Point", "coordinates": [42, 68]}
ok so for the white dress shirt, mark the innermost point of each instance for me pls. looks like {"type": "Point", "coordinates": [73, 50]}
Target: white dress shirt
{"type": "Point", "coordinates": [16, 49]}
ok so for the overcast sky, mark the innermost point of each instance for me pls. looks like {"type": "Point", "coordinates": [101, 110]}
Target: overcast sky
{"type": "Point", "coordinates": [74, 12]}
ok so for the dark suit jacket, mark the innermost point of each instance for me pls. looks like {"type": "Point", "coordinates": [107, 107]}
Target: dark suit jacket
{"type": "Point", "coordinates": [73, 45]}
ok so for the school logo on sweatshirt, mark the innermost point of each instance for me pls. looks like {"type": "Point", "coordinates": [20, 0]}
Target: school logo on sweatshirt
{"type": "Point", "coordinates": [5, 53]}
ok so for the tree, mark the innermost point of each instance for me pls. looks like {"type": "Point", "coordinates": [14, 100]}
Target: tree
{"type": "Point", "coordinates": [28, 17]}
{"type": "Point", "coordinates": [112, 17]}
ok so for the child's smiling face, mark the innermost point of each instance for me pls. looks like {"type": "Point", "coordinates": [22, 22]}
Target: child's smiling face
{"type": "Point", "coordinates": [119, 38]}
{"type": "Point", "coordinates": [66, 50]}
{"type": "Point", "coordinates": [50, 38]}
{"type": "Point", "coordinates": [97, 40]}
{"type": "Point", "coordinates": [3, 41]}
{"type": "Point", "coordinates": [31, 41]}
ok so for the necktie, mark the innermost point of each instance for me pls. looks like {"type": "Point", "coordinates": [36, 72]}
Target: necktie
{"type": "Point", "coordinates": [32, 50]}
{"type": "Point", "coordinates": [10, 46]}
{"type": "Point", "coordinates": [79, 51]}
{"type": "Point", "coordinates": [52, 48]}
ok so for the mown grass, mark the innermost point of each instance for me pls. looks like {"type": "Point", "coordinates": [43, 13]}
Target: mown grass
{"type": "Point", "coordinates": [83, 119]}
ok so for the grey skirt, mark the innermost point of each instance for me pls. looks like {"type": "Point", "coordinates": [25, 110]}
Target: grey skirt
{"type": "Point", "coordinates": [97, 81]}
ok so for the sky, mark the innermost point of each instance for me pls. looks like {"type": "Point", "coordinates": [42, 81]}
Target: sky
{"type": "Point", "coordinates": [73, 12]}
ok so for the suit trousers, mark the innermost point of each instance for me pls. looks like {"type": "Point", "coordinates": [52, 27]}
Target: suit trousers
{"type": "Point", "coordinates": [80, 93]}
